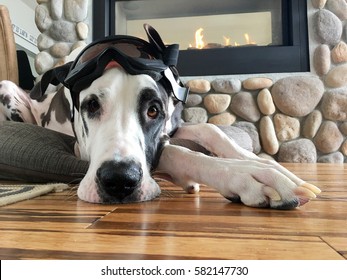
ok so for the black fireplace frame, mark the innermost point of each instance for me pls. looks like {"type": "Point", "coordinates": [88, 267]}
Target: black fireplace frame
{"type": "Point", "coordinates": [292, 56]}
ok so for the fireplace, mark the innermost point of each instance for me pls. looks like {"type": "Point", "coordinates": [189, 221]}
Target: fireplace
{"type": "Point", "coordinates": [217, 37]}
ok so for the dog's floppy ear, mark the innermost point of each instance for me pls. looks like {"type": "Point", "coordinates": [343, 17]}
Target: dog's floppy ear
{"type": "Point", "coordinates": [54, 76]}
{"type": "Point", "coordinates": [169, 52]}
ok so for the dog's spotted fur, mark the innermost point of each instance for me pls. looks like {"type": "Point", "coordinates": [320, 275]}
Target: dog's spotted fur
{"type": "Point", "coordinates": [122, 127]}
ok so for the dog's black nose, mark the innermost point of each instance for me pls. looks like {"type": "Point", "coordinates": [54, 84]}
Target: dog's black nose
{"type": "Point", "coordinates": [119, 179]}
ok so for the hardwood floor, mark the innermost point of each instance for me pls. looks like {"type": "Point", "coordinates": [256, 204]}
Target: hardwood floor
{"type": "Point", "coordinates": [181, 226]}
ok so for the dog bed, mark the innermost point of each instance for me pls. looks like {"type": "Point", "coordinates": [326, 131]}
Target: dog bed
{"type": "Point", "coordinates": [38, 155]}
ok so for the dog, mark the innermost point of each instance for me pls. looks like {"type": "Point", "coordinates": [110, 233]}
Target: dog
{"type": "Point", "coordinates": [125, 123]}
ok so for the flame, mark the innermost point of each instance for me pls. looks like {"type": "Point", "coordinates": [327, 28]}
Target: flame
{"type": "Point", "coordinates": [248, 40]}
{"type": "Point", "coordinates": [199, 43]}
{"type": "Point", "coordinates": [226, 41]}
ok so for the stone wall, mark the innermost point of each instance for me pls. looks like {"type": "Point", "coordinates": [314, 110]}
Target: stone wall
{"type": "Point", "coordinates": [297, 117]}
{"type": "Point", "coordinates": [63, 29]}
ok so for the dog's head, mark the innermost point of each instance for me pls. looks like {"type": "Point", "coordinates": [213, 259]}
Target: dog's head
{"type": "Point", "coordinates": [121, 126]}
{"type": "Point", "coordinates": [126, 102]}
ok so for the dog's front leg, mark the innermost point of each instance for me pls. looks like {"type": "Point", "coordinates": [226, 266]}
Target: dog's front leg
{"type": "Point", "coordinates": [217, 142]}
{"type": "Point", "coordinates": [253, 183]}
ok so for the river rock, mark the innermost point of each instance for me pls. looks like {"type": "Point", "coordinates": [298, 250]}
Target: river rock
{"type": "Point", "coordinates": [334, 105]}
{"type": "Point", "coordinates": [343, 128]}
{"type": "Point", "coordinates": [76, 10]}
{"type": "Point", "coordinates": [337, 77]}
{"type": "Point", "coordinates": [199, 85]}
{"type": "Point", "coordinates": [339, 53]}
{"type": "Point", "coordinates": [336, 157]}
{"type": "Point", "coordinates": [327, 27]}
{"type": "Point", "coordinates": [318, 4]}
{"type": "Point", "coordinates": [44, 42]}
{"type": "Point", "coordinates": [222, 119]}
{"type": "Point", "coordinates": [217, 103]}
{"type": "Point", "coordinates": [287, 128]}
{"type": "Point", "coordinates": [265, 102]}
{"type": "Point", "coordinates": [338, 7]}
{"type": "Point", "coordinates": [43, 62]}
{"type": "Point", "coordinates": [57, 9]}
{"type": "Point", "coordinates": [195, 115]}
{"type": "Point", "coordinates": [60, 49]}
{"type": "Point", "coordinates": [252, 131]}
{"type": "Point", "coordinates": [226, 85]}
{"type": "Point", "coordinates": [312, 124]}
{"type": "Point", "coordinates": [268, 136]}
{"type": "Point", "coordinates": [82, 30]}
{"type": "Point", "coordinates": [328, 138]}
{"type": "Point", "coordinates": [43, 20]}
{"type": "Point", "coordinates": [298, 151]}
{"type": "Point", "coordinates": [257, 83]}
{"type": "Point", "coordinates": [244, 105]}
{"type": "Point", "coordinates": [193, 100]}
{"type": "Point", "coordinates": [63, 31]}
{"type": "Point", "coordinates": [344, 148]}
{"type": "Point", "coordinates": [321, 59]}
{"type": "Point", "coordinates": [297, 96]}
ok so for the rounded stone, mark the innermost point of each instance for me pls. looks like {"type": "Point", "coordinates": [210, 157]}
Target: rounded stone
{"type": "Point", "coordinates": [343, 128]}
{"type": "Point", "coordinates": [344, 148]}
{"type": "Point", "coordinates": [337, 77]}
{"type": "Point", "coordinates": [297, 96]}
{"type": "Point", "coordinates": [265, 102]}
{"type": "Point", "coordinates": [339, 53]}
{"type": "Point", "coordinates": [44, 42]}
{"type": "Point", "coordinates": [63, 31]}
{"type": "Point", "coordinates": [43, 62]}
{"type": "Point", "coordinates": [321, 59]}
{"type": "Point", "coordinates": [226, 85]}
{"type": "Point", "coordinates": [57, 9]}
{"type": "Point", "coordinates": [60, 50]}
{"type": "Point", "coordinates": [338, 7]}
{"type": "Point", "coordinates": [318, 4]}
{"type": "Point", "coordinates": [327, 27]}
{"type": "Point", "coordinates": [193, 100]}
{"type": "Point", "coordinates": [298, 151]}
{"type": "Point", "coordinates": [287, 128]}
{"type": "Point", "coordinates": [244, 105]}
{"type": "Point", "coordinates": [328, 138]}
{"type": "Point", "coordinates": [252, 131]}
{"type": "Point", "coordinates": [217, 103]}
{"type": "Point", "coordinates": [76, 10]}
{"type": "Point", "coordinates": [82, 30]}
{"type": "Point", "coordinates": [238, 135]}
{"type": "Point", "coordinates": [42, 18]}
{"type": "Point", "coordinates": [199, 85]}
{"type": "Point", "coordinates": [312, 124]}
{"type": "Point", "coordinates": [268, 136]}
{"type": "Point", "coordinates": [336, 157]}
{"type": "Point", "coordinates": [78, 44]}
{"type": "Point", "coordinates": [334, 105]}
{"type": "Point", "coordinates": [222, 119]}
{"type": "Point", "coordinates": [195, 115]}
{"type": "Point", "coordinates": [257, 83]}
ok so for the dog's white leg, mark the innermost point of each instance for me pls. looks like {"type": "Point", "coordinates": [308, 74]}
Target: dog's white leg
{"type": "Point", "coordinates": [217, 142]}
{"type": "Point", "coordinates": [252, 182]}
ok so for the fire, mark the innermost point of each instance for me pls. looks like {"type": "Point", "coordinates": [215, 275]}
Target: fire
{"type": "Point", "coordinates": [199, 43]}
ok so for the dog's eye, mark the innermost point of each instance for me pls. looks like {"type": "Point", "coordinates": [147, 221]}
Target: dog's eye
{"type": "Point", "coordinates": [152, 112]}
{"type": "Point", "coordinates": [93, 106]}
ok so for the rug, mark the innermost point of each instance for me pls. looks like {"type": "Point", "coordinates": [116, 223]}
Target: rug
{"type": "Point", "coordinates": [14, 193]}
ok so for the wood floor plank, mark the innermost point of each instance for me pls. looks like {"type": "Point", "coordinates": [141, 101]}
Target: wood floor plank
{"type": "Point", "coordinates": [181, 226]}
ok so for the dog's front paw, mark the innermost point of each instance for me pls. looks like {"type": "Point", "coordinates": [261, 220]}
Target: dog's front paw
{"type": "Point", "coordinates": [282, 194]}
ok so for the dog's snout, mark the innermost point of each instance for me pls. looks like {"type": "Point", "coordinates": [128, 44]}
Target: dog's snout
{"type": "Point", "coordinates": [119, 179]}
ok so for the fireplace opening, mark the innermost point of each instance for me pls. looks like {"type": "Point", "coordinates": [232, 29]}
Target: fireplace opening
{"type": "Point", "coordinates": [217, 37]}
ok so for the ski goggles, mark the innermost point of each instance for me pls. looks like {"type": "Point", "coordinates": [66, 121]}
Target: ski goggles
{"type": "Point", "coordinates": [135, 55]}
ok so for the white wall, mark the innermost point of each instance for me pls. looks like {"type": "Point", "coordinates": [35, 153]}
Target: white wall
{"type": "Point", "coordinates": [22, 13]}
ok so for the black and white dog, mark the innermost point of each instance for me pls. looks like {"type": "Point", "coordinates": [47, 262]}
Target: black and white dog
{"type": "Point", "coordinates": [123, 124]}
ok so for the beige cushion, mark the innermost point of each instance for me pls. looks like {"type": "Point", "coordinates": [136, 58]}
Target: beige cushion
{"type": "Point", "coordinates": [8, 55]}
